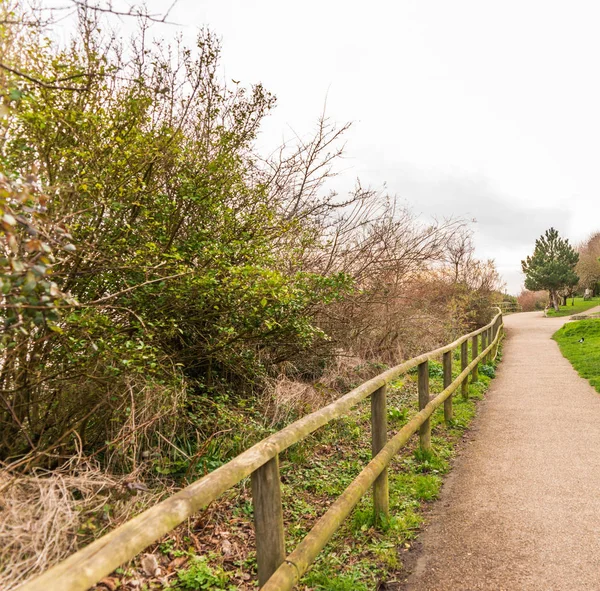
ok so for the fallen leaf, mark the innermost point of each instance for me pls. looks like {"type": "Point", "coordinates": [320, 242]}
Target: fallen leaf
{"type": "Point", "coordinates": [149, 564]}
{"type": "Point", "coordinates": [110, 583]}
{"type": "Point", "coordinates": [227, 548]}
{"type": "Point", "coordinates": [178, 562]}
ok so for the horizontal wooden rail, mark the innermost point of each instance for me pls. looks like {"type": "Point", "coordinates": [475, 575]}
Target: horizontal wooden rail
{"type": "Point", "coordinates": [87, 566]}
{"type": "Point", "coordinates": [297, 563]}
{"type": "Point", "coordinates": [507, 307]}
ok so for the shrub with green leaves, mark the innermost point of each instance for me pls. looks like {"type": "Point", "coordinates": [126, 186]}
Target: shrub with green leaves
{"type": "Point", "coordinates": [487, 370]}
{"type": "Point", "coordinates": [199, 575]}
{"type": "Point", "coordinates": [158, 270]}
{"type": "Point", "coordinates": [171, 251]}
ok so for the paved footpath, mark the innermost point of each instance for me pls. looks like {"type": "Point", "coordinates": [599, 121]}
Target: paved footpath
{"type": "Point", "coordinates": [521, 508]}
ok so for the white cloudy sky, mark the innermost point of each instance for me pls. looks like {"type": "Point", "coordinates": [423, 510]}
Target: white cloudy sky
{"type": "Point", "coordinates": [476, 108]}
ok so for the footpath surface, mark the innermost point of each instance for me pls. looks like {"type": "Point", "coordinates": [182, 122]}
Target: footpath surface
{"type": "Point", "coordinates": [521, 508]}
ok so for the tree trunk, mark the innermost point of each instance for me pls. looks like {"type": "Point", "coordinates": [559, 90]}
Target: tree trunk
{"type": "Point", "coordinates": [554, 299]}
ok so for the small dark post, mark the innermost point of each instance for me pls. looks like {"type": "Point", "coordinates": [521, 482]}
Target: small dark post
{"type": "Point", "coordinates": [381, 504]}
{"type": "Point", "coordinates": [474, 355]}
{"type": "Point", "coordinates": [425, 429]}
{"type": "Point", "coordinates": [447, 361]}
{"type": "Point", "coordinates": [268, 519]}
{"type": "Point", "coordinates": [464, 362]}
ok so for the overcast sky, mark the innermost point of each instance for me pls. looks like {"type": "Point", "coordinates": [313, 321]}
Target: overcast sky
{"type": "Point", "coordinates": [476, 108]}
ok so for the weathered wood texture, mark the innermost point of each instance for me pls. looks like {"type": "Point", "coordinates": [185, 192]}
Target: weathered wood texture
{"type": "Point", "coordinates": [381, 503]}
{"type": "Point", "coordinates": [498, 337]}
{"type": "Point", "coordinates": [268, 519]}
{"type": "Point", "coordinates": [474, 355]}
{"type": "Point", "coordinates": [447, 364]}
{"type": "Point", "coordinates": [464, 362]}
{"type": "Point", "coordinates": [423, 386]}
{"type": "Point", "coordinates": [86, 567]}
{"type": "Point", "coordinates": [484, 340]}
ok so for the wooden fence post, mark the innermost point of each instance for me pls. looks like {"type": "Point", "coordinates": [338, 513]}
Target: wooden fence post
{"type": "Point", "coordinates": [498, 325]}
{"type": "Point", "coordinates": [484, 343]}
{"type": "Point", "coordinates": [425, 428]}
{"type": "Point", "coordinates": [268, 519]}
{"type": "Point", "coordinates": [474, 354]}
{"type": "Point", "coordinates": [381, 503]}
{"type": "Point", "coordinates": [464, 362]}
{"type": "Point", "coordinates": [488, 358]}
{"type": "Point", "coordinates": [447, 361]}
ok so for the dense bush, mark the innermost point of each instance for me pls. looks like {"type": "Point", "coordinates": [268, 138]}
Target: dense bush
{"type": "Point", "coordinates": [533, 300]}
{"type": "Point", "coordinates": [155, 265]}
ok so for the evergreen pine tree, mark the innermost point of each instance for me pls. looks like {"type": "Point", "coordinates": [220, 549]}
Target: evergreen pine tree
{"type": "Point", "coordinates": [552, 265]}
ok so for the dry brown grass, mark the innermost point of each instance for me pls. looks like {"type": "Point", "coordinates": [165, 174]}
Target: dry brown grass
{"type": "Point", "coordinates": [45, 516]}
{"type": "Point", "coordinates": [286, 399]}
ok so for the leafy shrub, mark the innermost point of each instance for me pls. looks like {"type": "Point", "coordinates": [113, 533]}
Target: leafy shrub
{"type": "Point", "coordinates": [487, 370]}
{"type": "Point", "coordinates": [199, 575]}
{"type": "Point", "coordinates": [154, 251]}
{"type": "Point", "coordinates": [436, 369]}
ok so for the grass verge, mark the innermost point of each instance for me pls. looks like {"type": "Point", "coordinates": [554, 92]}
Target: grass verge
{"type": "Point", "coordinates": [579, 305]}
{"type": "Point", "coordinates": [584, 356]}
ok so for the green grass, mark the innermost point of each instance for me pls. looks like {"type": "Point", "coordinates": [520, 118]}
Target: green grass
{"type": "Point", "coordinates": [580, 306]}
{"type": "Point", "coordinates": [360, 555]}
{"type": "Point", "coordinates": [585, 357]}
{"type": "Point", "coordinates": [199, 575]}
{"type": "Point", "coordinates": [314, 473]}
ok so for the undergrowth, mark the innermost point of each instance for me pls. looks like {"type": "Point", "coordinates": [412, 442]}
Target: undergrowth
{"type": "Point", "coordinates": [314, 473]}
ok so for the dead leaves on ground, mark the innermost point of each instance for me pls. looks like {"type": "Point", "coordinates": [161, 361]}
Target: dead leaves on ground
{"type": "Point", "coordinates": [154, 571]}
{"type": "Point", "coordinates": [215, 531]}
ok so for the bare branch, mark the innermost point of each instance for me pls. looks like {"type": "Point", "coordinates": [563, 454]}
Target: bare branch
{"type": "Point", "coordinates": [49, 85]}
{"type": "Point", "coordinates": [134, 11]}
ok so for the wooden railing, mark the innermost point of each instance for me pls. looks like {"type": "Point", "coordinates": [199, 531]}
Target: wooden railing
{"type": "Point", "coordinates": [276, 571]}
{"type": "Point", "coordinates": [508, 307]}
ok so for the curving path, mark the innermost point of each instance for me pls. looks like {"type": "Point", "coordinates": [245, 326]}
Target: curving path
{"type": "Point", "coordinates": [521, 508]}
